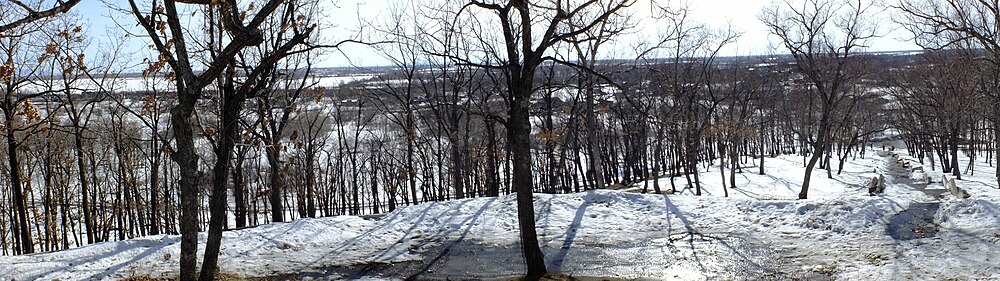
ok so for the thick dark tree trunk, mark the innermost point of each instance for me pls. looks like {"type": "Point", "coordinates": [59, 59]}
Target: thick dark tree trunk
{"type": "Point", "coordinates": [232, 104]}
{"type": "Point", "coordinates": [593, 150]}
{"type": "Point", "coordinates": [722, 167]}
{"type": "Point", "coordinates": [411, 173]}
{"type": "Point", "coordinates": [17, 192]}
{"type": "Point", "coordinates": [996, 137]}
{"type": "Point", "coordinates": [734, 163]}
{"type": "Point", "coordinates": [804, 192]}
{"type": "Point", "coordinates": [810, 165]}
{"type": "Point", "coordinates": [187, 160]}
{"type": "Point", "coordinates": [692, 164]}
{"type": "Point", "coordinates": [277, 180]}
{"type": "Point", "coordinates": [239, 192]}
{"type": "Point", "coordinates": [519, 137]}
{"type": "Point", "coordinates": [455, 154]}
{"type": "Point", "coordinates": [492, 160]}
{"type": "Point", "coordinates": [818, 150]}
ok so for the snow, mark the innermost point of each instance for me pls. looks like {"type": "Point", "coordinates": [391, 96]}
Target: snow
{"type": "Point", "coordinates": [139, 84]}
{"type": "Point", "coordinates": [260, 249]}
{"type": "Point", "coordinates": [760, 232]}
{"type": "Point", "coordinates": [782, 180]}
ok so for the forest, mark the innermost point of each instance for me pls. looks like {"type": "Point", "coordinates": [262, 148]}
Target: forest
{"type": "Point", "coordinates": [224, 121]}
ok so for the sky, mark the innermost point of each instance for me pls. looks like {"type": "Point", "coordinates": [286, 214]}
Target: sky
{"type": "Point", "coordinates": [345, 17]}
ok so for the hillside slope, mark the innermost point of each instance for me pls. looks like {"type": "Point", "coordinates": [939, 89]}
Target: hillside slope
{"type": "Point", "coordinates": [912, 231]}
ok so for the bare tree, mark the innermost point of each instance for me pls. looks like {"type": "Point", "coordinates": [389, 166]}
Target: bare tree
{"type": "Point", "coordinates": [823, 37]}
{"type": "Point", "coordinates": [938, 99]}
{"type": "Point", "coordinates": [587, 46]}
{"type": "Point", "coordinates": [400, 90]}
{"type": "Point", "coordinates": [961, 24]}
{"type": "Point", "coordinates": [162, 24]}
{"type": "Point", "coordinates": [529, 30]}
{"type": "Point", "coordinates": [20, 13]}
{"type": "Point", "coordinates": [21, 118]}
{"type": "Point", "coordinates": [21, 21]}
{"type": "Point", "coordinates": [689, 74]}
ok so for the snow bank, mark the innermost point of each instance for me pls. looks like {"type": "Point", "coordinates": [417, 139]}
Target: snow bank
{"type": "Point", "coordinates": [259, 251]}
{"type": "Point", "coordinates": [848, 215]}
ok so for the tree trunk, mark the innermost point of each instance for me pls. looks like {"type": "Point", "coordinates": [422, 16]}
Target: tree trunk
{"type": "Point", "coordinates": [722, 167]}
{"type": "Point", "coordinates": [593, 151]}
{"type": "Point", "coordinates": [734, 163]}
{"type": "Point", "coordinates": [232, 104]}
{"type": "Point", "coordinates": [411, 173]}
{"type": "Point", "coordinates": [17, 192]}
{"type": "Point", "coordinates": [996, 138]}
{"type": "Point", "coordinates": [154, 188]}
{"type": "Point", "coordinates": [311, 181]}
{"type": "Point", "coordinates": [519, 137]}
{"type": "Point", "coordinates": [455, 154]}
{"type": "Point", "coordinates": [277, 180]}
{"type": "Point", "coordinates": [492, 160]}
{"type": "Point", "coordinates": [805, 180]}
{"type": "Point", "coordinates": [239, 192]}
{"type": "Point", "coordinates": [818, 150]}
{"type": "Point", "coordinates": [187, 160]}
{"type": "Point", "coordinates": [953, 143]}
{"type": "Point", "coordinates": [88, 221]}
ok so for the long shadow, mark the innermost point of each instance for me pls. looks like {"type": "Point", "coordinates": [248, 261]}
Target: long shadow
{"type": "Point", "coordinates": [691, 232]}
{"type": "Point", "coordinates": [756, 196]}
{"type": "Point", "coordinates": [148, 252]}
{"type": "Point", "coordinates": [783, 182]}
{"type": "Point", "coordinates": [759, 196]}
{"type": "Point", "coordinates": [363, 269]}
{"type": "Point", "coordinates": [441, 231]}
{"type": "Point", "coordinates": [121, 247]}
{"type": "Point", "coordinates": [393, 218]}
{"type": "Point", "coordinates": [677, 213]}
{"type": "Point", "coordinates": [468, 223]}
{"type": "Point", "coordinates": [692, 235]}
{"type": "Point", "coordinates": [412, 269]}
{"type": "Point", "coordinates": [559, 258]}
{"type": "Point", "coordinates": [541, 215]}
{"type": "Point", "coordinates": [273, 239]}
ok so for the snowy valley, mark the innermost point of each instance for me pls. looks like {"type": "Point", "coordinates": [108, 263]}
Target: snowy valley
{"type": "Point", "coordinates": [499, 140]}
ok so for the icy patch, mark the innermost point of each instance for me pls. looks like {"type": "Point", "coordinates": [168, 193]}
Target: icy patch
{"type": "Point", "coordinates": [917, 222]}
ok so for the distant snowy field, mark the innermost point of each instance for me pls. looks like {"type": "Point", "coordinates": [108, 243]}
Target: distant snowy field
{"type": "Point", "coordinates": [759, 232]}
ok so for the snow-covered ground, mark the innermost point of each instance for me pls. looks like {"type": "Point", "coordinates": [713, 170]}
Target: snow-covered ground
{"type": "Point", "coordinates": [759, 232]}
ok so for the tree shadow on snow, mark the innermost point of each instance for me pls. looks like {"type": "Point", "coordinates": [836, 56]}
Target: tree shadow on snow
{"type": "Point", "coordinates": [556, 262]}
{"type": "Point", "coordinates": [745, 253]}
{"type": "Point", "coordinates": [151, 246]}
{"type": "Point", "coordinates": [434, 247]}
{"type": "Point", "coordinates": [466, 226]}
{"type": "Point", "coordinates": [354, 242]}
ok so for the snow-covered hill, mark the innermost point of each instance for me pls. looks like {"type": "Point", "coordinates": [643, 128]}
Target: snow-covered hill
{"type": "Point", "coordinates": [758, 233]}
